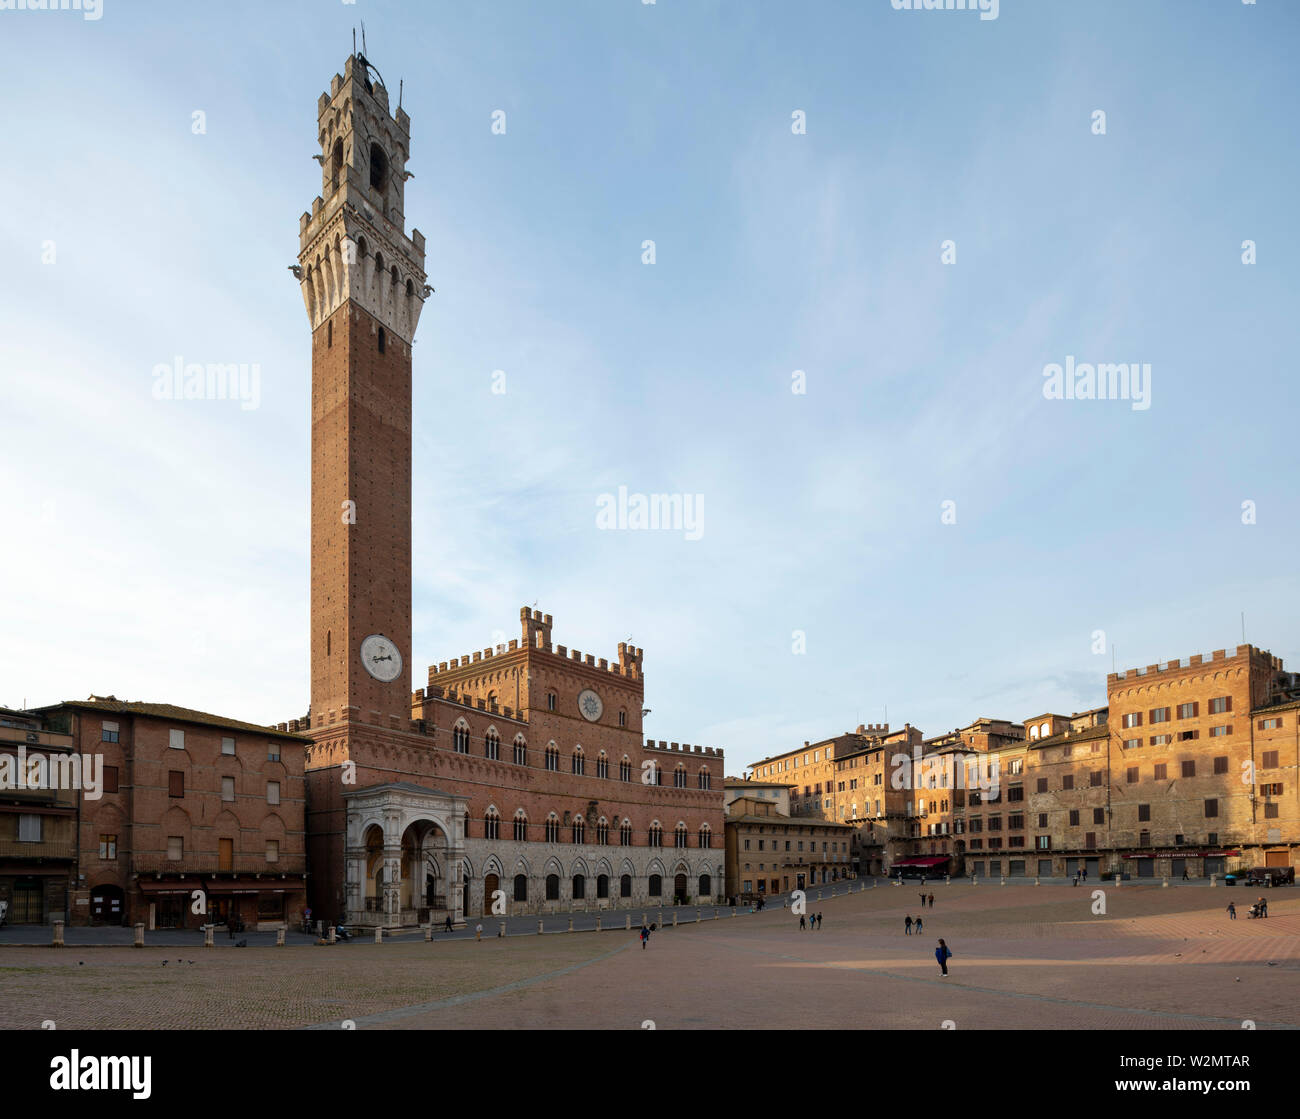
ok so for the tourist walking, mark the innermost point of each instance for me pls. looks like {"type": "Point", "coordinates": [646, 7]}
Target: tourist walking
{"type": "Point", "coordinates": [449, 922]}
{"type": "Point", "coordinates": [918, 926]}
{"type": "Point", "coordinates": [645, 937]}
{"type": "Point", "coordinates": [907, 924]}
{"type": "Point", "coordinates": [931, 901]}
{"type": "Point", "coordinates": [803, 922]}
{"type": "Point", "coordinates": [819, 920]}
{"type": "Point", "coordinates": [942, 954]}
{"type": "Point", "coordinates": [1232, 911]}
{"type": "Point", "coordinates": [922, 901]}
{"type": "Point", "coordinates": [478, 931]}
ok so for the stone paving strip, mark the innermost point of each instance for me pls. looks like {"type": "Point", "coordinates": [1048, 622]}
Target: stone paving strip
{"type": "Point", "coordinates": [1025, 957]}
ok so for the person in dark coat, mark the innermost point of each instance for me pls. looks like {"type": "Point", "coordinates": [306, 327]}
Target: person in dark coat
{"type": "Point", "coordinates": [942, 954]}
{"type": "Point", "coordinates": [907, 925]}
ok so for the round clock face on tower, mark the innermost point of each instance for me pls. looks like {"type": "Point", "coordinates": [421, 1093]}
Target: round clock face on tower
{"type": "Point", "coordinates": [381, 658]}
{"type": "Point", "coordinates": [589, 703]}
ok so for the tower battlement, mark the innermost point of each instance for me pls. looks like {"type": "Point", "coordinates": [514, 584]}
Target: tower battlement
{"type": "Point", "coordinates": [1195, 661]}
{"type": "Point", "coordinates": [352, 244]}
{"type": "Point", "coordinates": [536, 636]}
{"type": "Point", "coordinates": [684, 748]}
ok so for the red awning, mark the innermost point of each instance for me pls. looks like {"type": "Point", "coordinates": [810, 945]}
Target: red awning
{"type": "Point", "coordinates": [928, 860]}
{"type": "Point", "coordinates": [252, 885]}
{"type": "Point", "coordinates": [169, 885]}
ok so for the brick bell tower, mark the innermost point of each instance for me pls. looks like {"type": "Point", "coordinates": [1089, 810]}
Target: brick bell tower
{"type": "Point", "coordinates": [363, 284]}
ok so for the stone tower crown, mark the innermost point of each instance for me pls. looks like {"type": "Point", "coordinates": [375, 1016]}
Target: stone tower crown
{"type": "Point", "coordinates": [353, 244]}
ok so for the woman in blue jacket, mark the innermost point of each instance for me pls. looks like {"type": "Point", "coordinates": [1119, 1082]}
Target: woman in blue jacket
{"type": "Point", "coordinates": [942, 954]}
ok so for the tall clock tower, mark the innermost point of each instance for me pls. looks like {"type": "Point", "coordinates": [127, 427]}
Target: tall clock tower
{"type": "Point", "coordinates": [363, 284]}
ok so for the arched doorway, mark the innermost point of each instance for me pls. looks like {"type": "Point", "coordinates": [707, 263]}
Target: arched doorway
{"type": "Point", "coordinates": [373, 884]}
{"type": "Point", "coordinates": [521, 887]}
{"type": "Point", "coordinates": [656, 885]}
{"type": "Point", "coordinates": [107, 905]}
{"type": "Point", "coordinates": [679, 889]}
{"type": "Point", "coordinates": [602, 885]}
{"type": "Point", "coordinates": [491, 884]}
{"type": "Point", "coordinates": [552, 887]}
{"type": "Point", "coordinates": [706, 887]}
{"type": "Point", "coordinates": [579, 887]}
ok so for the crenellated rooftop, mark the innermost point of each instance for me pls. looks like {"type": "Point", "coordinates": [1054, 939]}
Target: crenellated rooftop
{"type": "Point", "coordinates": [1194, 661]}
{"type": "Point", "coordinates": [684, 748]}
{"type": "Point", "coordinates": [537, 636]}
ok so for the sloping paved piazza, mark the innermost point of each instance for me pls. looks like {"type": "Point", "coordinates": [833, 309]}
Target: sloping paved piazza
{"type": "Point", "coordinates": [1023, 957]}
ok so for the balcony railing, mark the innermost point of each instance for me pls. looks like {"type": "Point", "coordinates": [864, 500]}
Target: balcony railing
{"type": "Point", "coordinates": [55, 798]}
{"type": "Point", "coordinates": [210, 864]}
{"type": "Point", "coordinates": [42, 849]}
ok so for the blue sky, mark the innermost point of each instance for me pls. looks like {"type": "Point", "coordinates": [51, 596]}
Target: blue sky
{"type": "Point", "coordinates": [158, 549]}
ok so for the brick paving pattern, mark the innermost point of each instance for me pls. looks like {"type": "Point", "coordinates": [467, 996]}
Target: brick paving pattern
{"type": "Point", "coordinates": [1024, 957]}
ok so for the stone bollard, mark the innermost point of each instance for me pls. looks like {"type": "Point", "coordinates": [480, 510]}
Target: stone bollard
{"type": "Point", "coordinates": [1164, 882]}
{"type": "Point", "coordinates": [539, 928]}
{"type": "Point", "coordinates": [320, 928]}
{"type": "Point", "coordinates": [58, 935]}
{"type": "Point", "coordinates": [974, 880]}
{"type": "Point", "coordinates": [1035, 880]}
{"type": "Point", "coordinates": [598, 922]}
{"type": "Point", "coordinates": [379, 934]}
{"type": "Point", "coordinates": [1214, 879]}
{"type": "Point", "coordinates": [697, 916]}
{"type": "Point", "coordinates": [139, 936]}
{"type": "Point", "coordinates": [645, 920]}
{"type": "Point", "coordinates": [279, 936]}
{"type": "Point", "coordinates": [1117, 879]}
{"type": "Point", "coordinates": [674, 918]}
{"type": "Point", "coordinates": [502, 930]}
{"type": "Point", "coordinates": [208, 933]}
{"type": "Point", "coordinates": [571, 924]}
{"type": "Point", "coordinates": [1004, 881]}
{"type": "Point", "coordinates": [428, 931]}
{"type": "Point", "coordinates": [334, 934]}
{"type": "Point", "coordinates": [733, 912]}
{"type": "Point", "coordinates": [947, 879]}
{"type": "Point", "coordinates": [715, 914]}
{"type": "Point", "coordinates": [629, 922]}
